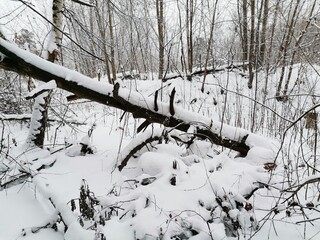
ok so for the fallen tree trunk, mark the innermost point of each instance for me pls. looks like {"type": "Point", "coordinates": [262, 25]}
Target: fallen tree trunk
{"type": "Point", "coordinates": [26, 63]}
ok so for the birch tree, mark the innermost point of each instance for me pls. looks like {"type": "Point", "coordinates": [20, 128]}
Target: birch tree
{"type": "Point", "coordinates": [41, 104]}
{"type": "Point", "coordinates": [160, 21]}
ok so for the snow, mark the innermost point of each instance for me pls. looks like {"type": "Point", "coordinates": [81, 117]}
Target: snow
{"type": "Point", "coordinates": [60, 71]}
{"type": "Point", "coordinates": [154, 164]}
{"type": "Point", "coordinates": [46, 86]}
{"type": "Point", "coordinates": [116, 230]}
{"type": "Point", "coordinates": [135, 98]}
{"type": "Point", "coordinates": [168, 189]}
{"type": "Point", "coordinates": [174, 201]}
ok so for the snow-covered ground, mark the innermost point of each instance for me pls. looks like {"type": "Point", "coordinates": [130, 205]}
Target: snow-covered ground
{"type": "Point", "coordinates": [170, 189]}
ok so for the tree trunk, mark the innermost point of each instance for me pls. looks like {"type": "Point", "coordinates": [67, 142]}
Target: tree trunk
{"type": "Point", "coordinates": [209, 44]}
{"type": "Point", "coordinates": [252, 44]}
{"type": "Point", "coordinates": [113, 64]}
{"type": "Point", "coordinates": [245, 48]}
{"type": "Point", "coordinates": [285, 47]}
{"type": "Point", "coordinates": [189, 26]}
{"type": "Point", "coordinates": [296, 47]}
{"type": "Point", "coordinates": [159, 7]}
{"type": "Point", "coordinates": [262, 49]}
{"type": "Point", "coordinates": [41, 104]}
{"type": "Point", "coordinates": [103, 40]}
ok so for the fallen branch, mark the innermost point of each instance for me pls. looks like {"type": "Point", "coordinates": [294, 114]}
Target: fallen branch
{"type": "Point", "coordinates": [74, 230]}
{"type": "Point", "coordinates": [24, 174]}
{"type": "Point", "coordinates": [41, 89]}
{"type": "Point", "coordinates": [209, 70]}
{"type": "Point", "coordinates": [26, 63]}
{"type": "Point", "coordinates": [137, 144]}
{"type": "Point", "coordinates": [15, 180]}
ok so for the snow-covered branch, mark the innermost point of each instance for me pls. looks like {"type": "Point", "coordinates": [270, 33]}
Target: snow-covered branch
{"type": "Point", "coordinates": [24, 62]}
{"type": "Point", "coordinates": [41, 89]}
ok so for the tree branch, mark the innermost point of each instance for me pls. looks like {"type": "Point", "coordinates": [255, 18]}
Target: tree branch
{"type": "Point", "coordinates": [26, 63]}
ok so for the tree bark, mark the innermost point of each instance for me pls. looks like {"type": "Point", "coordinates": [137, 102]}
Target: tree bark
{"type": "Point", "coordinates": [252, 44]}
{"type": "Point", "coordinates": [297, 46]}
{"type": "Point", "coordinates": [160, 20]}
{"type": "Point", "coordinates": [262, 49]}
{"type": "Point", "coordinates": [40, 107]}
{"type": "Point", "coordinates": [245, 48]}
{"type": "Point", "coordinates": [113, 64]}
{"type": "Point", "coordinates": [104, 44]}
{"type": "Point", "coordinates": [189, 26]}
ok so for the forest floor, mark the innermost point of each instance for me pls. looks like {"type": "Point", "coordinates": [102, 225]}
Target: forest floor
{"type": "Point", "coordinates": [169, 189]}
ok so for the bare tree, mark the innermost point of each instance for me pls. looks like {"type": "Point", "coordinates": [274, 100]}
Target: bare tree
{"type": "Point", "coordinates": [112, 52]}
{"type": "Point", "coordinates": [263, 34]}
{"type": "Point", "coordinates": [189, 27]}
{"type": "Point", "coordinates": [244, 30]}
{"type": "Point", "coordinates": [160, 21]}
{"type": "Point", "coordinates": [41, 104]}
{"type": "Point", "coordinates": [298, 41]}
{"type": "Point", "coordinates": [209, 44]}
{"type": "Point", "coordinates": [252, 44]}
{"type": "Point", "coordinates": [102, 31]}
{"type": "Point", "coordinates": [287, 38]}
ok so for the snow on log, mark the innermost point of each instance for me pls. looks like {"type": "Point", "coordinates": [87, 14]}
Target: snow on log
{"type": "Point", "coordinates": [74, 231]}
{"type": "Point", "coordinates": [41, 89]}
{"type": "Point", "coordinates": [138, 143]}
{"type": "Point", "coordinates": [26, 63]}
{"type": "Point", "coordinates": [38, 120]}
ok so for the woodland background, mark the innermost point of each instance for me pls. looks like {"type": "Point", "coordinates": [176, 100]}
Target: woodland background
{"type": "Point", "coordinates": [212, 104]}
